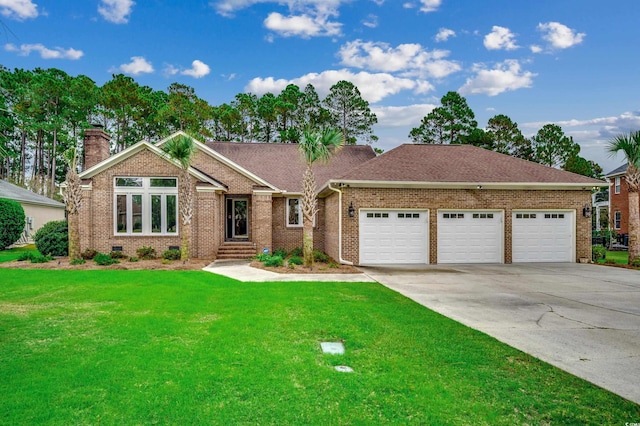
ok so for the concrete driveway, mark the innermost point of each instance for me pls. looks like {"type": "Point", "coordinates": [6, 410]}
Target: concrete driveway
{"type": "Point", "coordinates": [584, 319]}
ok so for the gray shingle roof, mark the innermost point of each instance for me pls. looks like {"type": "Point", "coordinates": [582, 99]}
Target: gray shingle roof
{"type": "Point", "coordinates": [619, 171]}
{"type": "Point", "coordinates": [281, 165]}
{"type": "Point", "coordinates": [13, 192]}
{"type": "Point", "coordinates": [458, 163]}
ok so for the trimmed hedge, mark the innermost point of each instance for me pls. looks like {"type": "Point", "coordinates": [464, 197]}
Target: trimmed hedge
{"type": "Point", "coordinates": [12, 220]}
{"type": "Point", "coordinates": [52, 239]}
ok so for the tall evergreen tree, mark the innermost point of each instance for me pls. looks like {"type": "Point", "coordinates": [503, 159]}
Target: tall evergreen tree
{"type": "Point", "coordinates": [350, 112]}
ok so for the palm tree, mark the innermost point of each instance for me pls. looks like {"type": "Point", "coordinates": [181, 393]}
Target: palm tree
{"type": "Point", "coordinates": [314, 146]}
{"type": "Point", "coordinates": [181, 149]}
{"type": "Point", "coordinates": [72, 200]}
{"type": "Point", "coordinates": [630, 147]}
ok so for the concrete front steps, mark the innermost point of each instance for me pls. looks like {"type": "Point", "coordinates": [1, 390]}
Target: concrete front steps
{"type": "Point", "coordinates": [236, 250]}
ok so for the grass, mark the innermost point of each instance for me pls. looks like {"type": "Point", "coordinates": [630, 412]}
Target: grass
{"type": "Point", "coordinates": [14, 253]}
{"type": "Point", "coordinates": [621, 257]}
{"type": "Point", "coordinates": [176, 347]}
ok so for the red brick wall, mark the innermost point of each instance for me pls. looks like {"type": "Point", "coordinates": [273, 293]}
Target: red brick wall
{"type": "Point", "coordinates": [288, 238]}
{"type": "Point", "coordinates": [434, 199]}
{"type": "Point", "coordinates": [619, 202]}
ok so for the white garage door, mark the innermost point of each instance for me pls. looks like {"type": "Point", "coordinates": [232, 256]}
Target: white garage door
{"type": "Point", "coordinates": [471, 236]}
{"type": "Point", "coordinates": [393, 236]}
{"type": "Point", "coordinates": [543, 236]}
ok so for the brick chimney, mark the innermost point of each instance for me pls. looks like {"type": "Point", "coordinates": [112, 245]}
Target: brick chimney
{"type": "Point", "coordinates": [96, 146]}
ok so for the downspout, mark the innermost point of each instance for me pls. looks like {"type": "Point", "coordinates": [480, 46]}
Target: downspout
{"type": "Point", "coordinates": [340, 259]}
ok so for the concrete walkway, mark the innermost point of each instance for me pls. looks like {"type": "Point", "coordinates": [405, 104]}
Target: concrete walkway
{"type": "Point", "coordinates": [241, 271]}
{"type": "Point", "coordinates": [584, 319]}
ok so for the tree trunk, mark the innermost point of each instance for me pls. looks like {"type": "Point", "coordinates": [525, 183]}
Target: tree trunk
{"type": "Point", "coordinates": [309, 210]}
{"type": "Point", "coordinates": [74, 235]}
{"type": "Point", "coordinates": [634, 225]}
{"type": "Point", "coordinates": [307, 243]}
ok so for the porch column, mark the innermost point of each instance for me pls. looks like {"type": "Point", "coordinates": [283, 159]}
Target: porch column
{"type": "Point", "coordinates": [262, 220]}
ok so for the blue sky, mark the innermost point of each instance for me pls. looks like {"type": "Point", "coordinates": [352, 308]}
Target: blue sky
{"type": "Point", "coordinates": [570, 62]}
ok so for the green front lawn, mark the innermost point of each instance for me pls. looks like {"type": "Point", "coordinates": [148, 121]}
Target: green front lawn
{"type": "Point", "coordinates": [169, 347]}
{"type": "Point", "coordinates": [621, 257]}
{"type": "Point", "coordinates": [14, 253]}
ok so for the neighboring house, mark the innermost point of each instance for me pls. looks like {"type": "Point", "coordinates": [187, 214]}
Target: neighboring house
{"type": "Point", "coordinates": [618, 200]}
{"type": "Point", "coordinates": [38, 209]}
{"type": "Point", "coordinates": [413, 204]}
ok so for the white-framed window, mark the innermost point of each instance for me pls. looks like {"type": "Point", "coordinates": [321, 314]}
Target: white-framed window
{"type": "Point", "coordinates": [294, 214]}
{"type": "Point", "coordinates": [616, 188]}
{"type": "Point", "coordinates": [145, 205]}
{"type": "Point", "coordinates": [617, 218]}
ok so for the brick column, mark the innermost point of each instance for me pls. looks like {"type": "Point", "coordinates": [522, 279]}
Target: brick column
{"type": "Point", "coordinates": [262, 220]}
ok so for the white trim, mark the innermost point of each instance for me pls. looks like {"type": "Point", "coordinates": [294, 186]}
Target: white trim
{"type": "Point", "coordinates": [340, 259]}
{"type": "Point", "coordinates": [479, 186]}
{"type": "Point", "coordinates": [212, 153]}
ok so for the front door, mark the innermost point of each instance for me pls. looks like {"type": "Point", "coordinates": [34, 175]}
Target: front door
{"type": "Point", "coordinates": [237, 222]}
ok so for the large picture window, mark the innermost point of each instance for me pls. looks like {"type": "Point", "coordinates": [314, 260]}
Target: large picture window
{"type": "Point", "coordinates": [146, 206]}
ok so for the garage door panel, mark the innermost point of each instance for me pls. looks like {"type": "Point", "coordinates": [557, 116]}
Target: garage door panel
{"type": "Point", "coordinates": [543, 236]}
{"type": "Point", "coordinates": [393, 236]}
{"type": "Point", "coordinates": [470, 237]}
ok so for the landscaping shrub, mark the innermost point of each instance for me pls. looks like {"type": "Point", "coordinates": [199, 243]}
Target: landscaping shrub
{"type": "Point", "coordinates": [171, 254]}
{"type": "Point", "coordinates": [88, 254]}
{"type": "Point", "coordinates": [78, 262]}
{"type": "Point", "coordinates": [319, 256]}
{"type": "Point", "coordinates": [263, 256]}
{"type": "Point", "coordinates": [280, 252]}
{"type": "Point", "coordinates": [296, 260]}
{"type": "Point", "coordinates": [104, 259]}
{"type": "Point", "coordinates": [133, 259]}
{"type": "Point", "coordinates": [12, 220]}
{"type": "Point", "coordinates": [274, 261]}
{"type": "Point", "coordinates": [636, 262]}
{"type": "Point", "coordinates": [27, 255]}
{"type": "Point", "coordinates": [117, 254]}
{"type": "Point", "coordinates": [52, 238]}
{"type": "Point", "coordinates": [146, 253]}
{"type": "Point", "coordinates": [39, 258]}
{"type": "Point", "coordinates": [598, 252]}
{"type": "Point", "coordinates": [297, 252]}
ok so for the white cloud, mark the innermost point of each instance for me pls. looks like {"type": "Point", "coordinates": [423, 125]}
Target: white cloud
{"type": "Point", "coordinates": [505, 76]}
{"type": "Point", "coordinates": [304, 26]}
{"type": "Point", "coordinates": [18, 9]}
{"type": "Point", "coordinates": [371, 21]}
{"type": "Point", "coordinates": [535, 48]}
{"type": "Point", "coordinates": [116, 11]}
{"type": "Point", "coordinates": [500, 38]}
{"type": "Point", "coordinates": [409, 59]}
{"type": "Point", "coordinates": [401, 116]}
{"type": "Point", "coordinates": [425, 6]}
{"type": "Point", "coordinates": [45, 52]}
{"type": "Point", "coordinates": [373, 87]}
{"type": "Point", "coordinates": [170, 70]}
{"type": "Point", "coordinates": [560, 36]}
{"type": "Point", "coordinates": [198, 69]}
{"type": "Point", "coordinates": [444, 34]}
{"type": "Point", "coordinates": [138, 65]}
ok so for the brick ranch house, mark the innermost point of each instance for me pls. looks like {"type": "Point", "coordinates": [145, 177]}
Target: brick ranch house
{"type": "Point", "coordinates": [619, 200]}
{"type": "Point", "coordinates": [412, 204]}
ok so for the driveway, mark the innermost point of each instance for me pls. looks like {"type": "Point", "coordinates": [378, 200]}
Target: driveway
{"type": "Point", "coordinates": [584, 319]}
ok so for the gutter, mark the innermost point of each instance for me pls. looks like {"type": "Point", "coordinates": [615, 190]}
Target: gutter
{"type": "Point", "coordinates": [340, 259]}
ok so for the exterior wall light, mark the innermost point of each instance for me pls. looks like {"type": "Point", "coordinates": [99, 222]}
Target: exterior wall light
{"type": "Point", "coordinates": [352, 211]}
{"type": "Point", "coordinates": [586, 211]}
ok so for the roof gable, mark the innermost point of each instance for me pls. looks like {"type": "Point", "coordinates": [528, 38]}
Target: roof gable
{"type": "Point", "coordinates": [135, 149]}
{"type": "Point", "coordinates": [618, 172]}
{"type": "Point", "coordinates": [458, 164]}
{"type": "Point", "coordinates": [281, 163]}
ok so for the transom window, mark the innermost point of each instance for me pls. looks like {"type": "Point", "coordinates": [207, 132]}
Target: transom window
{"type": "Point", "coordinates": [554, 215]}
{"type": "Point", "coordinates": [453, 215]}
{"type": "Point", "coordinates": [378, 215]}
{"type": "Point", "coordinates": [145, 206]}
{"type": "Point", "coordinates": [525, 215]}
{"type": "Point", "coordinates": [409, 215]}
{"type": "Point", "coordinates": [483, 215]}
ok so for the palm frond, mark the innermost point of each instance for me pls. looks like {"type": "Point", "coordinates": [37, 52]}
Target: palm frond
{"type": "Point", "coordinates": [180, 149]}
{"type": "Point", "coordinates": [629, 145]}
